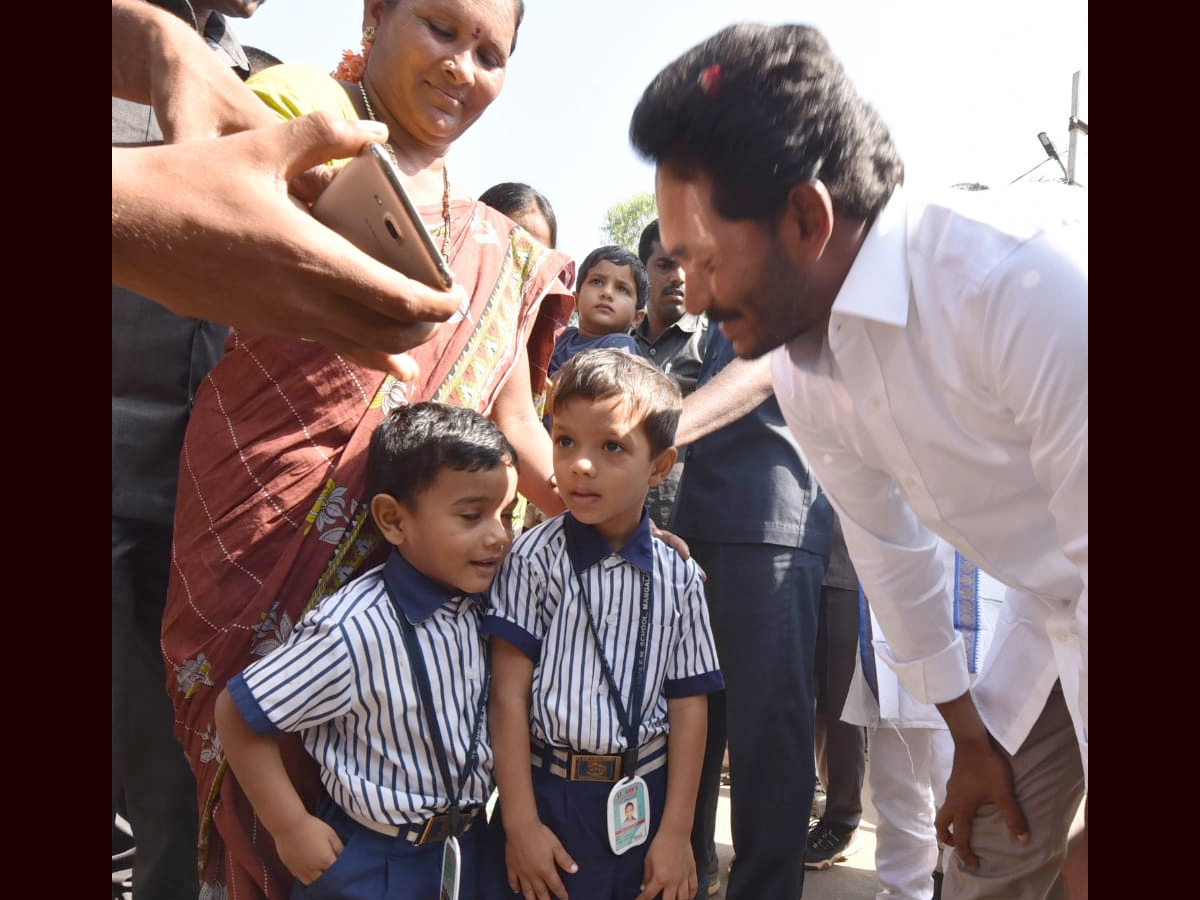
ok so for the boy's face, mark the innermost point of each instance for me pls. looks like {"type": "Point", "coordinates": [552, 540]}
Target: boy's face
{"type": "Point", "coordinates": [603, 466]}
{"type": "Point", "coordinates": [458, 529]}
{"type": "Point", "coordinates": [606, 299]}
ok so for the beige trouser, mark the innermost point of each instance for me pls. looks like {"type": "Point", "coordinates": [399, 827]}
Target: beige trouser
{"type": "Point", "coordinates": [1048, 775]}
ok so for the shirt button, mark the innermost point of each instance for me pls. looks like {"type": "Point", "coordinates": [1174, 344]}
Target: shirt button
{"type": "Point", "coordinates": [611, 618]}
{"type": "Point", "coordinates": [603, 691]}
{"type": "Point", "coordinates": [653, 352]}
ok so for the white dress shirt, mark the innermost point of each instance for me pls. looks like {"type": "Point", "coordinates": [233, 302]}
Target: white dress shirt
{"type": "Point", "coordinates": [950, 397]}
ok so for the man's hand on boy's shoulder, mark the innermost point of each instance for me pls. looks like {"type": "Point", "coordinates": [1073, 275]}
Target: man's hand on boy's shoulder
{"type": "Point", "coordinates": [675, 542]}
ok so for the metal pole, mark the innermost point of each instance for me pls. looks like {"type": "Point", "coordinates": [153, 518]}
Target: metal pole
{"type": "Point", "coordinates": [1073, 128]}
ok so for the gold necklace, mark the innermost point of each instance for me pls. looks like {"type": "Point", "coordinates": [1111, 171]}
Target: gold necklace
{"type": "Point", "coordinates": [445, 179]}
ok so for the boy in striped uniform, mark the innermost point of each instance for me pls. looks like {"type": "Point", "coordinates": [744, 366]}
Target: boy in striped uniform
{"type": "Point", "coordinates": [358, 676]}
{"type": "Point", "coordinates": [602, 658]}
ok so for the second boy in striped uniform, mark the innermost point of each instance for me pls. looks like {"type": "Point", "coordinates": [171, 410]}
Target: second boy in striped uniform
{"type": "Point", "coordinates": [602, 657]}
{"type": "Point", "coordinates": [358, 677]}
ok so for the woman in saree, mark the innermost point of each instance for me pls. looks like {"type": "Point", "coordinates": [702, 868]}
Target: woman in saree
{"type": "Point", "coordinates": [270, 516]}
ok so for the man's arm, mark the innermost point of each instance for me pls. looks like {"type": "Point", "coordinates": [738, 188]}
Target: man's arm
{"type": "Point", "coordinates": [306, 845]}
{"type": "Point", "coordinates": [209, 230]}
{"type": "Point", "coordinates": [158, 60]}
{"type": "Point", "coordinates": [734, 391]}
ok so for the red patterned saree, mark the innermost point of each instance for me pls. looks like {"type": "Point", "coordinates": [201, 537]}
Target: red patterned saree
{"type": "Point", "coordinates": [270, 514]}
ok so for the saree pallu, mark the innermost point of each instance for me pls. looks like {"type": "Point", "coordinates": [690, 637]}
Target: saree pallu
{"type": "Point", "coordinates": [270, 517]}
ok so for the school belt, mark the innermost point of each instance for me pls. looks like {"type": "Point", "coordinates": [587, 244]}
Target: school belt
{"type": "Point", "coordinates": [605, 767]}
{"type": "Point", "coordinates": [431, 831]}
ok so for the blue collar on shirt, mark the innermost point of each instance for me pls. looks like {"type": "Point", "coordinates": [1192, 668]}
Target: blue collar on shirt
{"type": "Point", "coordinates": [418, 596]}
{"type": "Point", "coordinates": [586, 547]}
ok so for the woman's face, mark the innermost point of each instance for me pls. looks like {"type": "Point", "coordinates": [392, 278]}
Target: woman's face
{"type": "Point", "coordinates": [436, 65]}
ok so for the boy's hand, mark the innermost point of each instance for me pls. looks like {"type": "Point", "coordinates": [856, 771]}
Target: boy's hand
{"type": "Point", "coordinates": [670, 868]}
{"type": "Point", "coordinates": [308, 848]}
{"type": "Point", "coordinates": [533, 857]}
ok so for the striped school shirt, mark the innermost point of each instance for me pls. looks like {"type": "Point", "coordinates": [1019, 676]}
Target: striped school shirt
{"type": "Point", "coordinates": [343, 680]}
{"type": "Point", "coordinates": [537, 604]}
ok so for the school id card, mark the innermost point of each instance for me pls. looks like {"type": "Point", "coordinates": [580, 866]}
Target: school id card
{"type": "Point", "coordinates": [451, 869]}
{"type": "Point", "coordinates": [628, 814]}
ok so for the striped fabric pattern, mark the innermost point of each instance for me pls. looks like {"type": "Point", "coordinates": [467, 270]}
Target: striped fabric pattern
{"type": "Point", "coordinates": [537, 605]}
{"type": "Point", "coordinates": [344, 681]}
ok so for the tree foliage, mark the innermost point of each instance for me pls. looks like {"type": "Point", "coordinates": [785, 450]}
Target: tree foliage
{"type": "Point", "coordinates": [624, 221]}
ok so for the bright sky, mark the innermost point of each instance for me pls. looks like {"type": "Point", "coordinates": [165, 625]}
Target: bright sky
{"type": "Point", "coordinates": [964, 85]}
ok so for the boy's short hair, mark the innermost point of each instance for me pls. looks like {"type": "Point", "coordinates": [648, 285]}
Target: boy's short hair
{"type": "Point", "coordinates": [413, 443]}
{"type": "Point", "coordinates": [647, 391]}
{"type": "Point", "coordinates": [618, 256]}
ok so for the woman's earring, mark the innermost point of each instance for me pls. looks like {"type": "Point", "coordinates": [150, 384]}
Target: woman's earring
{"type": "Point", "coordinates": [368, 34]}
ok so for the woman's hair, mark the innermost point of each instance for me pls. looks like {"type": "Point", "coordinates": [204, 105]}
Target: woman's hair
{"type": "Point", "coordinates": [760, 108]}
{"type": "Point", "coordinates": [647, 392]}
{"type": "Point", "coordinates": [514, 197]}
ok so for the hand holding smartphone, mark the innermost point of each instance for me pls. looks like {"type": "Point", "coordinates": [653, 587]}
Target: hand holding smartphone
{"type": "Point", "coordinates": [367, 204]}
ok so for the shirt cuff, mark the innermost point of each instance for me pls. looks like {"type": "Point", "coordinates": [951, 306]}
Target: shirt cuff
{"type": "Point", "coordinates": [934, 679]}
{"type": "Point", "coordinates": [239, 692]}
{"type": "Point", "coordinates": [705, 683]}
{"type": "Point", "coordinates": [514, 634]}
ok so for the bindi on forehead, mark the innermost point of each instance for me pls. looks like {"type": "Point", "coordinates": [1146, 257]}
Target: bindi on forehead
{"type": "Point", "coordinates": [475, 34]}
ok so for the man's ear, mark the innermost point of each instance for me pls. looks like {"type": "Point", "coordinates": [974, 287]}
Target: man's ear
{"type": "Point", "coordinates": [391, 518]}
{"type": "Point", "coordinates": [660, 466]}
{"type": "Point", "coordinates": [807, 221]}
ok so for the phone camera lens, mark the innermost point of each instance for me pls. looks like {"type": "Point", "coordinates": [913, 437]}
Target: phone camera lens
{"type": "Point", "coordinates": [391, 228]}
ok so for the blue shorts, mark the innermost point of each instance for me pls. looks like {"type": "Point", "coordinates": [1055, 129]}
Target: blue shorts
{"type": "Point", "coordinates": [576, 812]}
{"type": "Point", "coordinates": [374, 866]}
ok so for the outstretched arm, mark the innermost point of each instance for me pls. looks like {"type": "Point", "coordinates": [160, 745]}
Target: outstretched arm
{"type": "Point", "coordinates": [734, 391]}
{"type": "Point", "coordinates": [159, 61]}
{"type": "Point", "coordinates": [209, 230]}
{"type": "Point", "coordinates": [306, 845]}
{"type": "Point", "coordinates": [533, 853]}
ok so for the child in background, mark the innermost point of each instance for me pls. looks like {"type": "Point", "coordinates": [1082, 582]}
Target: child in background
{"type": "Point", "coordinates": [602, 657]}
{"type": "Point", "coordinates": [611, 289]}
{"type": "Point", "coordinates": [404, 774]}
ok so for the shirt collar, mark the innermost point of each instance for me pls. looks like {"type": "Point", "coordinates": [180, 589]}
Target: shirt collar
{"type": "Point", "coordinates": [876, 287]}
{"type": "Point", "coordinates": [414, 594]}
{"type": "Point", "coordinates": [586, 547]}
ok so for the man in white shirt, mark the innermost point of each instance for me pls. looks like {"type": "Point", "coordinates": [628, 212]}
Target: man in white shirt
{"type": "Point", "coordinates": [931, 359]}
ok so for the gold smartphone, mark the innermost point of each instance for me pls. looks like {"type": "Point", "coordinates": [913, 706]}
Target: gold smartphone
{"type": "Point", "coordinates": [367, 204]}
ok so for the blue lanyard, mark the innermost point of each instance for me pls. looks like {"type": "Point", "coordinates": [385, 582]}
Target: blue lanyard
{"type": "Point", "coordinates": [630, 724]}
{"type": "Point", "coordinates": [435, 735]}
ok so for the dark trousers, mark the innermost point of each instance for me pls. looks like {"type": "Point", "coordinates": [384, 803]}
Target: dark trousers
{"type": "Point", "coordinates": [151, 780]}
{"type": "Point", "coordinates": [576, 811]}
{"type": "Point", "coordinates": [374, 866]}
{"type": "Point", "coordinates": [762, 602]}
{"type": "Point", "coordinates": [841, 748]}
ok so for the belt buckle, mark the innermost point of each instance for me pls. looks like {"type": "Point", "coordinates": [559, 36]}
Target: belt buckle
{"type": "Point", "coordinates": [437, 828]}
{"type": "Point", "coordinates": [594, 767]}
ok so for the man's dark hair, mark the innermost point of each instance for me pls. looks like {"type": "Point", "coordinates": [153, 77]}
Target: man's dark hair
{"type": "Point", "coordinates": [618, 256]}
{"type": "Point", "coordinates": [652, 396]}
{"type": "Point", "coordinates": [413, 443]}
{"type": "Point", "coordinates": [647, 241]}
{"type": "Point", "coordinates": [512, 197]}
{"type": "Point", "coordinates": [260, 59]}
{"type": "Point", "coordinates": [761, 108]}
